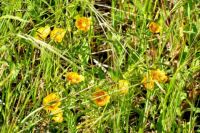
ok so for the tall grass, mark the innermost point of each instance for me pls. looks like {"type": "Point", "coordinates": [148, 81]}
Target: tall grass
{"type": "Point", "coordinates": [118, 46]}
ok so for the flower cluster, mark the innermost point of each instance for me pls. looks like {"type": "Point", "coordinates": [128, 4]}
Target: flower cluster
{"type": "Point", "coordinates": [56, 34]}
{"type": "Point", "coordinates": [100, 97]}
{"type": "Point", "coordinates": [51, 104]}
{"type": "Point", "coordinates": [154, 75]}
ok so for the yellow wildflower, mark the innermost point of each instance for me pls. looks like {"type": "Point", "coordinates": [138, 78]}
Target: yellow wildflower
{"type": "Point", "coordinates": [148, 83]}
{"type": "Point", "coordinates": [154, 27]}
{"type": "Point", "coordinates": [74, 77]}
{"type": "Point", "coordinates": [42, 33]}
{"type": "Point", "coordinates": [101, 97]}
{"type": "Point", "coordinates": [159, 75]}
{"type": "Point", "coordinates": [123, 86]}
{"type": "Point", "coordinates": [155, 75]}
{"type": "Point", "coordinates": [51, 102]}
{"type": "Point", "coordinates": [58, 116]}
{"type": "Point", "coordinates": [57, 34]}
{"type": "Point", "coordinates": [83, 23]}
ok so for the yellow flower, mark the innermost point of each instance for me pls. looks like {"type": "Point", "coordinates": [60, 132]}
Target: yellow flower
{"type": "Point", "coordinates": [42, 33]}
{"type": "Point", "coordinates": [51, 102]}
{"type": "Point", "coordinates": [57, 34]}
{"type": "Point", "coordinates": [83, 23]}
{"type": "Point", "coordinates": [58, 116]}
{"type": "Point", "coordinates": [100, 97]}
{"type": "Point", "coordinates": [123, 86]}
{"type": "Point", "coordinates": [155, 75]}
{"type": "Point", "coordinates": [154, 27]}
{"type": "Point", "coordinates": [74, 77]}
{"type": "Point", "coordinates": [148, 82]}
{"type": "Point", "coordinates": [159, 75]}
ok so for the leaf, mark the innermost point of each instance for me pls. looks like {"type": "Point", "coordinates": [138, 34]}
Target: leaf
{"type": "Point", "coordinates": [13, 17]}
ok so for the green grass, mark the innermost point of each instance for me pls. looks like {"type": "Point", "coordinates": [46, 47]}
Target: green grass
{"type": "Point", "coordinates": [119, 38]}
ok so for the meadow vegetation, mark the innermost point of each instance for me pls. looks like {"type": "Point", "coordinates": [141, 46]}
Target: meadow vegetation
{"type": "Point", "coordinates": [100, 66]}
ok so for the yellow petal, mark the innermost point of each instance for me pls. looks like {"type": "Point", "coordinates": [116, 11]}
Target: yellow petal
{"type": "Point", "coordinates": [123, 86]}
{"type": "Point", "coordinates": [83, 23]}
{"type": "Point", "coordinates": [58, 116]}
{"type": "Point", "coordinates": [148, 83]}
{"type": "Point", "coordinates": [51, 102]}
{"type": "Point", "coordinates": [43, 32]}
{"type": "Point", "coordinates": [100, 97]}
{"type": "Point", "coordinates": [74, 77]}
{"type": "Point", "coordinates": [159, 75]}
{"type": "Point", "coordinates": [57, 34]}
{"type": "Point", "coordinates": [154, 27]}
